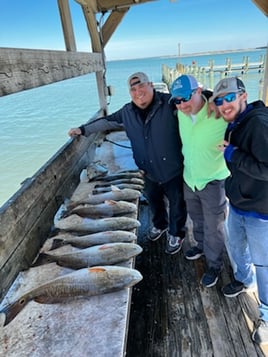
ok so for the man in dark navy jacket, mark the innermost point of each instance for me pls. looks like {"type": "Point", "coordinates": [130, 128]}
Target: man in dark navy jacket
{"type": "Point", "coordinates": [245, 150]}
{"type": "Point", "coordinates": [152, 128]}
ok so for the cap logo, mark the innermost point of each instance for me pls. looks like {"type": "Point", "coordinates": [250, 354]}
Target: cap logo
{"type": "Point", "coordinates": [177, 85]}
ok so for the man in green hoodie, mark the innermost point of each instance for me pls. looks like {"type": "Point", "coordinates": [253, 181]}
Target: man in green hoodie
{"type": "Point", "coordinates": [204, 174]}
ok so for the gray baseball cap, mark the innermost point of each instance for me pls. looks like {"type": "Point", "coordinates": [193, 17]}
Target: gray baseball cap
{"type": "Point", "coordinates": [228, 85]}
{"type": "Point", "coordinates": [140, 78]}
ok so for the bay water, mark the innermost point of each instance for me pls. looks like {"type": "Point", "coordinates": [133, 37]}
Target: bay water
{"type": "Point", "coordinates": [34, 123]}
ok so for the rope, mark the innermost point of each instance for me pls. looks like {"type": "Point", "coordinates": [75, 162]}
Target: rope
{"type": "Point", "coordinates": [122, 146]}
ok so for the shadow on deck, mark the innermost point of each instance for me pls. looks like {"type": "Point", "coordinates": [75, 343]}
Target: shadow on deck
{"type": "Point", "coordinates": [172, 315]}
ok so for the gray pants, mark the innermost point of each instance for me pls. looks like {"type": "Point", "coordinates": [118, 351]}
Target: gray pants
{"type": "Point", "coordinates": [207, 209]}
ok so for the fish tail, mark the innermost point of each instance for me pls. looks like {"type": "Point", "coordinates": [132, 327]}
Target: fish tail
{"type": "Point", "coordinates": [43, 258]}
{"type": "Point", "coordinates": [57, 242]}
{"type": "Point", "coordinates": [12, 310]}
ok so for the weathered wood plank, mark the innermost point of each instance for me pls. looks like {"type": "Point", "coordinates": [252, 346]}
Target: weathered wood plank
{"type": "Point", "coordinates": [95, 326]}
{"type": "Point", "coordinates": [173, 315]}
{"type": "Point", "coordinates": [22, 69]}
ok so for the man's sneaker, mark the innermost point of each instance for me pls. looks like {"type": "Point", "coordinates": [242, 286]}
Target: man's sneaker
{"type": "Point", "coordinates": [156, 233]}
{"type": "Point", "coordinates": [233, 289]}
{"type": "Point", "coordinates": [211, 277]}
{"type": "Point", "coordinates": [260, 334]}
{"type": "Point", "coordinates": [174, 244]}
{"type": "Point", "coordinates": [194, 253]}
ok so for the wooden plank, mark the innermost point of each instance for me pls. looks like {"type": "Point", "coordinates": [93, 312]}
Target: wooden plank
{"type": "Point", "coordinates": [173, 315]}
{"type": "Point", "coordinates": [112, 23]}
{"type": "Point", "coordinates": [22, 69]}
{"type": "Point", "coordinates": [262, 5]}
{"type": "Point", "coordinates": [67, 26]}
{"type": "Point", "coordinates": [95, 326]}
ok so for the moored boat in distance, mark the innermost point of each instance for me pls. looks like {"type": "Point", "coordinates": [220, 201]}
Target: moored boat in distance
{"type": "Point", "coordinates": [161, 87]}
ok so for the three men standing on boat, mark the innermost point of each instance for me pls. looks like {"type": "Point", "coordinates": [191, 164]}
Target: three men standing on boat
{"type": "Point", "coordinates": [152, 128]}
{"type": "Point", "coordinates": [151, 125]}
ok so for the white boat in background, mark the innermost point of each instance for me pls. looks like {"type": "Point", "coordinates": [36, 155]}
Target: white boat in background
{"type": "Point", "coordinates": [161, 87]}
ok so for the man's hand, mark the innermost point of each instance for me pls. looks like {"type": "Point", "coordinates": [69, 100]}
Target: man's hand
{"type": "Point", "coordinates": [223, 146]}
{"type": "Point", "coordinates": [213, 108]}
{"type": "Point", "coordinates": [74, 132]}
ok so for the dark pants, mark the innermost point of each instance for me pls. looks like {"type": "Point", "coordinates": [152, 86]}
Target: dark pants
{"type": "Point", "coordinates": [167, 205]}
{"type": "Point", "coordinates": [207, 209]}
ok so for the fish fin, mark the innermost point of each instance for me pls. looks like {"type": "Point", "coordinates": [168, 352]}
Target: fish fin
{"type": "Point", "coordinates": [104, 246]}
{"type": "Point", "coordinates": [12, 310]}
{"type": "Point", "coordinates": [96, 269]}
{"type": "Point", "coordinates": [42, 299]}
{"type": "Point", "coordinates": [110, 202]}
{"type": "Point", "coordinates": [115, 188]}
{"type": "Point", "coordinates": [43, 258]}
{"type": "Point", "coordinates": [57, 242]}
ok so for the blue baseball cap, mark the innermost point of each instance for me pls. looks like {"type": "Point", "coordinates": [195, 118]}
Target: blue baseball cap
{"type": "Point", "coordinates": [183, 86]}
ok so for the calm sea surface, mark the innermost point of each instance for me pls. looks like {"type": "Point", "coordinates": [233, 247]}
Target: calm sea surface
{"type": "Point", "coordinates": [34, 123]}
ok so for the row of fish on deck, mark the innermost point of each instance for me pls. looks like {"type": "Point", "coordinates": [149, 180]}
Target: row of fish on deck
{"type": "Point", "coordinates": [92, 234]}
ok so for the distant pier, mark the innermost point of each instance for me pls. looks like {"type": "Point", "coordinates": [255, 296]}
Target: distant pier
{"type": "Point", "coordinates": [206, 74]}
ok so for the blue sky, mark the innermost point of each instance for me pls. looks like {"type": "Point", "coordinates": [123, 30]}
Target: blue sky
{"type": "Point", "coordinates": [152, 29]}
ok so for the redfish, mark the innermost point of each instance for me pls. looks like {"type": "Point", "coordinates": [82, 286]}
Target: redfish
{"type": "Point", "coordinates": [90, 240]}
{"type": "Point", "coordinates": [107, 209]}
{"type": "Point", "coordinates": [133, 180]}
{"type": "Point", "coordinates": [121, 186]}
{"type": "Point", "coordinates": [81, 283]}
{"type": "Point", "coordinates": [104, 254]}
{"type": "Point", "coordinates": [122, 175]}
{"type": "Point", "coordinates": [75, 223]}
{"type": "Point", "coordinates": [126, 194]}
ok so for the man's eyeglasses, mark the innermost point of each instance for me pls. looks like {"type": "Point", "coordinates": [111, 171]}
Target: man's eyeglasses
{"type": "Point", "coordinates": [178, 101]}
{"type": "Point", "coordinates": [230, 97]}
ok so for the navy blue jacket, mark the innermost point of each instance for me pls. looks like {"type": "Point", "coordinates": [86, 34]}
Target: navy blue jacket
{"type": "Point", "coordinates": [155, 141]}
{"type": "Point", "coordinates": [247, 186]}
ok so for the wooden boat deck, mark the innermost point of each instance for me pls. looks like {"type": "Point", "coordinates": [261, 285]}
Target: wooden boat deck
{"type": "Point", "coordinates": [172, 315]}
{"type": "Point", "coordinates": [168, 314]}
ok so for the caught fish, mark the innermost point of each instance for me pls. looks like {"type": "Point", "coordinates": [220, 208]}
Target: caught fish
{"type": "Point", "coordinates": [126, 194]}
{"type": "Point", "coordinates": [122, 175]}
{"type": "Point", "coordinates": [107, 209]}
{"type": "Point", "coordinates": [120, 186]}
{"type": "Point", "coordinates": [81, 283]}
{"type": "Point", "coordinates": [96, 170]}
{"type": "Point", "coordinates": [75, 223]}
{"type": "Point", "coordinates": [134, 180]}
{"type": "Point", "coordinates": [89, 240]}
{"type": "Point", "coordinates": [104, 254]}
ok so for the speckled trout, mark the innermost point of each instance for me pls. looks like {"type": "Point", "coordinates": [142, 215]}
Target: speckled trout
{"type": "Point", "coordinates": [90, 240]}
{"type": "Point", "coordinates": [75, 223]}
{"type": "Point", "coordinates": [104, 254]}
{"type": "Point", "coordinates": [81, 283]}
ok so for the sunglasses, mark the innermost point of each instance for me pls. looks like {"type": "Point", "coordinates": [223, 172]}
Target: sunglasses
{"type": "Point", "coordinates": [178, 101]}
{"type": "Point", "coordinates": [230, 97]}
